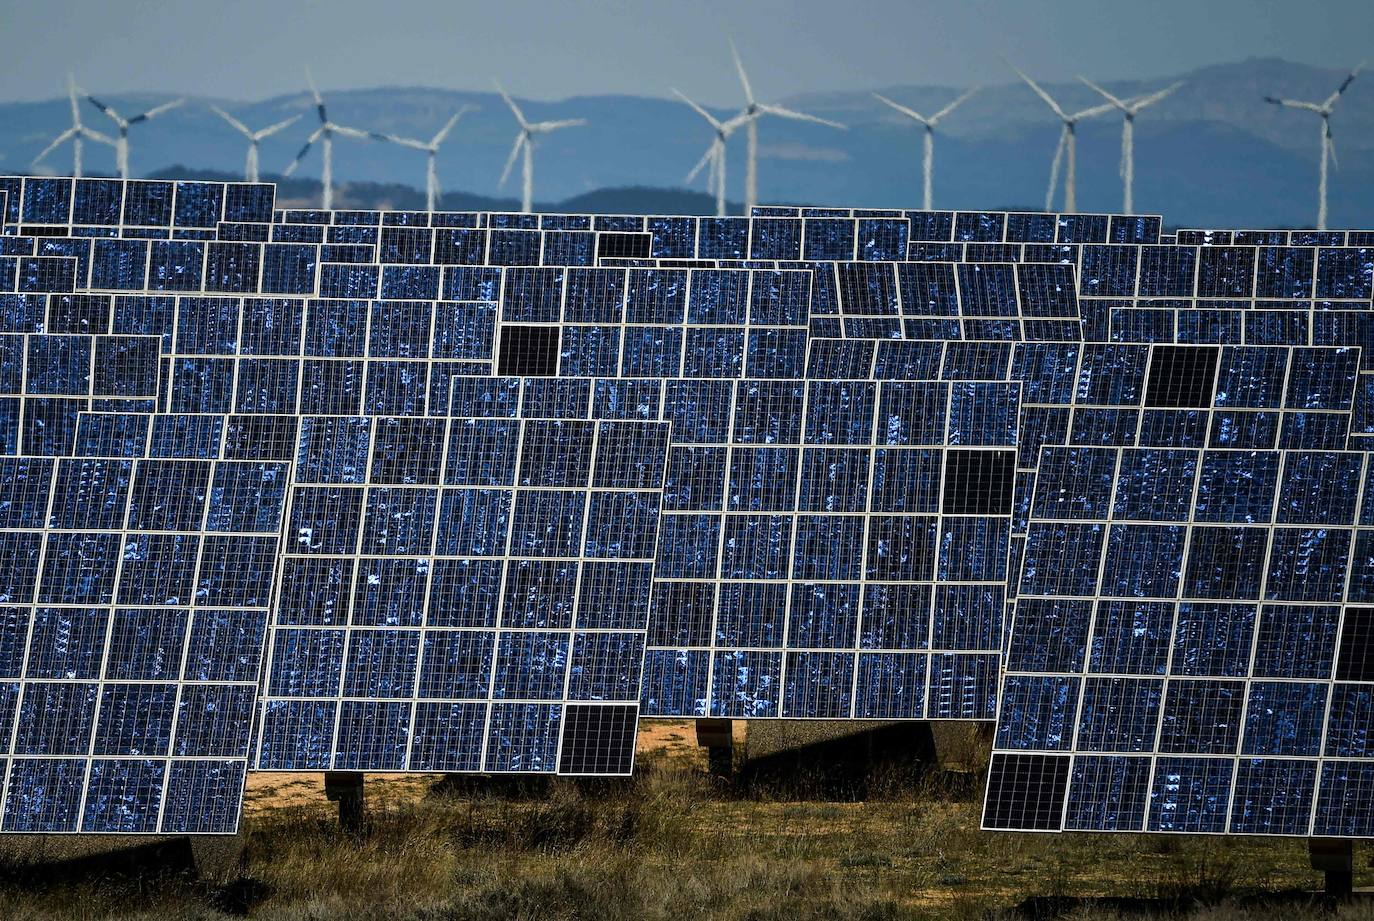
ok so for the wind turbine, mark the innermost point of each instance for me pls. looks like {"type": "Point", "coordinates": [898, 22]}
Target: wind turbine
{"type": "Point", "coordinates": [432, 149]}
{"type": "Point", "coordinates": [754, 111]}
{"type": "Point", "coordinates": [123, 124]}
{"type": "Point", "coordinates": [77, 133]}
{"type": "Point", "coordinates": [1328, 147]}
{"type": "Point", "coordinates": [1129, 110]}
{"type": "Point", "coordinates": [325, 134]}
{"type": "Point", "coordinates": [714, 158]}
{"type": "Point", "coordinates": [928, 158]}
{"type": "Point", "coordinates": [1068, 137]}
{"type": "Point", "coordinates": [524, 140]}
{"type": "Point", "coordinates": [250, 169]}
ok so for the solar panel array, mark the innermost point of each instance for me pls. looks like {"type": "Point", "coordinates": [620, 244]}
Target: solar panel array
{"type": "Point", "coordinates": [367, 491]}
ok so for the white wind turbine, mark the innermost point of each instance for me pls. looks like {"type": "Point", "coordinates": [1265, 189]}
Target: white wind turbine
{"type": "Point", "coordinates": [250, 169]}
{"type": "Point", "coordinates": [325, 135]}
{"type": "Point", "coordinates": [1328, 146]}
{"type": "Point", "coordinates": [123, 124]}
{"type": "Point", "coordinates": [432, 149]}
{"type": "Point", "coordinates": [754, 111]}
{"type": "Point", "coordinates": [524, 141]}
{"type": "Point", "coordinates": [1068, 137]}
{"type": "Point", "coordinates": [928, 156]}
{"type": "Point", "coordinates": [714, 158]}
{"type": "Point", "coordinates": [77, 133]}
{"type": "Point", "coordinates": [1129, 110]}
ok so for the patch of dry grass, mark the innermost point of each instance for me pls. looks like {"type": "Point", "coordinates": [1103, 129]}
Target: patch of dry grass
{"type": "Point", "coordinates": [667, 845]}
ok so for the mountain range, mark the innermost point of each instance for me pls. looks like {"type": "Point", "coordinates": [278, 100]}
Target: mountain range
{"type": "Point", "coordinates": [1212, 154]}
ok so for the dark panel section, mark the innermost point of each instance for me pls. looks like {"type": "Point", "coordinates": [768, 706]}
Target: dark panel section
{"type": "Point", "coordinates": [598, 739]}
{"type": "Point", "coordinates": [1026, 792]}
{"type": "Point", "coordinates": [1356, 659]}
{"type": "Point", "coordinates": [623, 245]}
{"type": "Point", "coordinates": [979, 482]}
{"type": "Point", "coordinates": [1182, 376]}
{"type": "Point", "coordinates": [529, 351]}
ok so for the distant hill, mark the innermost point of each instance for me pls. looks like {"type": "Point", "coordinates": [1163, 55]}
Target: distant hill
{"type": "Point", "coordinates": [305, 193]}
{"type": "Point", "coordinates": [1212, 154]}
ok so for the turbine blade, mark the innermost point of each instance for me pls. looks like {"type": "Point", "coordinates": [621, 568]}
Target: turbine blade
{"type": "Point", "coordinates": [242, 128]}
{"type": "Point", "coordinates": [350, 132]}
{"type": "Point", "coordinates": [1103, 93]}
{"type": "Point", "coordinates": [448, 126]}
{"type": "Point", "coordinates": [314, 90]}
{"type": "Point", "coordinates": [305, 149]}
{"type": "Point", "coordinates": [909, 113]}
{"type": "Point", "coordinates": [1293, 103]}
{"type": "Point", "coordinates": [71, 97]}
{"type": "Point", "coordinates": [743, 77]}
{"type": "Point", "coordinates": [315, 93]}
{"type": "Point", "coordinates": [1092, 112]}
{"type": "Point", "coordinates": [546, 127]}
{"type": "Point", "coordinates": [1331, 146]}
{"type": "Point", "coordinates": [279, 126]}
{"type": "Point", "coordinates": [1138, 104]}
{"type": "Point", "coordinates": [510, 161]}
{"type": "Point", "coordinates": [106, 109]}
{"type": "Point", "coordinates": [706, 158]}
{"type": "Point", "coordinates": [157, 110]}
{"type": "Point", "coordinates": [734, 124]}
{"type": "Point", "coordinates": [953, 105]}
{"type": "Point", "coordinates": [700, 111]}
{"type": "Point", "coordinates": [519, 116]}
{"type": "Point", "coordinates": [57, 142]}
{"type": "Point", "coordinates": [403, 142]}
{"type": "Point", "coordinates": [1049, 100]}
{"type": "Point", "coordinates": [91, 134]}
{"type": "Point", "coordinates": [800, 116]}
{"type": "Point", "coordinates": [1345, 85]}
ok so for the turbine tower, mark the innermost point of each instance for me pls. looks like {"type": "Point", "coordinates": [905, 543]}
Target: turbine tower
{"type": "Point", "coordinates": [1129, 110]}
{"type": "Point", "coordinates": [432, 150]}
{"type": "Point", "coordinates": [754, 111]}
{"type": "Point", "coordinates": [1068, 137]}
{"type": "Point", "coordinates": [250, 169]}
{"type": "Point", "coordinates": [1328, 147]}
{"type": "Point", "coordinates": [325, 135]}
{"type": "Point", "coordinates": [524, 141]}
{"type": "Point", "coordinates": [123, 124]}
{"type": "Point", "coordinates": [77, 133]}
{"type": "Point", "coordinates": [928, 156]}
{"type": "Point", "coordinates": [714, 158]}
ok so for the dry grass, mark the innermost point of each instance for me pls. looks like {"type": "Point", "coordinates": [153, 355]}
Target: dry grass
{"type": "Point", "coordinates": [669, 844]}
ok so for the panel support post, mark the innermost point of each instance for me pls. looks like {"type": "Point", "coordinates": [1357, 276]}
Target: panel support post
{"type": "Point", "coordinates": [717, 737]}
{"type": "Point", "coordinates": [346, 789]}
{"type": "Point", "coordinates": [1335, 857]}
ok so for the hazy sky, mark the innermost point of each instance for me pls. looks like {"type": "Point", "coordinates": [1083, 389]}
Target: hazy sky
{"type": "Point", "coordinates": [549, 49]}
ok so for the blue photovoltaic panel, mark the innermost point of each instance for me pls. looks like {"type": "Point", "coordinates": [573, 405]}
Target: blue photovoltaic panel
{"type": "Point", "coordinates": [1183, 658]}
{"type": "Point", "coordinates": [950, 300]}
{"type": "Point", "coordinates": [806, 526]}
{"type": "Point", "coordinates": [137, 594]}
{"type": "Point", "coordinates": [462, 594]}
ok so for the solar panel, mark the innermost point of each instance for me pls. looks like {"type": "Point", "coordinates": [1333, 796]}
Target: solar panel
{"type": "Point", "coordinates": [1181, 658]}
{"type": "Point", "coordinates": [1110, 526]}
{"type": "Point", "coordinates": [136, 596]}
{"type": "Point", "coordinates": [463, 595]}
